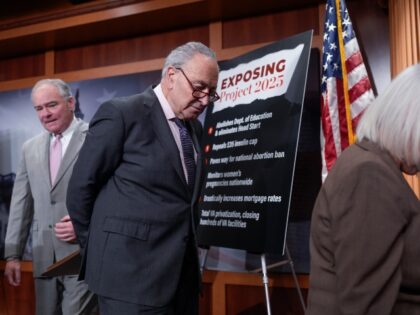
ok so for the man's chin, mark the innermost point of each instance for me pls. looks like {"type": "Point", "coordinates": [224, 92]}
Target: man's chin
{"type": "Point", "coordinates": [187, 116]}
{"type": "Point", "coordinates": [192, 113]}
{"type": "Point", "coordinates": [50, 128]}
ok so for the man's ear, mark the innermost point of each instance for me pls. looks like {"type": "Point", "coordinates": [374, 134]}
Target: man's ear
{"type": "Point", "coordinates": [170, 76]}
{"type": "Point", "coordinates": [71, 103]}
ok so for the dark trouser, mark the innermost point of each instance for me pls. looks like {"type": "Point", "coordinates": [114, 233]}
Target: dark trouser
{"type": "Point", "coordinates": [185, 301]}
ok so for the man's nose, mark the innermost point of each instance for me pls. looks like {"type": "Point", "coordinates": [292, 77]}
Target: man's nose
{"type": "Point", "coordinates": [45, 112]}
{"type": "Point", "coordinates": [205, 100]}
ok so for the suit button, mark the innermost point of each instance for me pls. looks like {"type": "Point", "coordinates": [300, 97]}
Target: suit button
{"type": "Point", "coordinates": [50, 226]}
{"type": "Point", "coordinates": [53, 202]}
{"type": "Point", "coordinates": [186, 238]}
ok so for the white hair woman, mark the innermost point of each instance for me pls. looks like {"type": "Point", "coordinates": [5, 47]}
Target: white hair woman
{"type": "Point", "coordinates": [365, 227]}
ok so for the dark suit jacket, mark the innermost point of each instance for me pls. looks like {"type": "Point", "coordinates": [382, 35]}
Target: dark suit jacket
{"type": "Point", "coordinates": [130, 203]}
{"type": "Point", "coordinates": [365, 234]}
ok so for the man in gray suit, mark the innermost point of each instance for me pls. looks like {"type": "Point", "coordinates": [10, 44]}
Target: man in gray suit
{"type": "Point", "coordinates": [38, 199]}
{"type": "Point", "coordinates": [133, 194]}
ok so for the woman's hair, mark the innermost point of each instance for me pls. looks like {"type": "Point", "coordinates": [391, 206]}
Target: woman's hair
{"type": "Point", "coordinates": [393, 119]}
{"type": "Point", "coordinates": [182, 54]}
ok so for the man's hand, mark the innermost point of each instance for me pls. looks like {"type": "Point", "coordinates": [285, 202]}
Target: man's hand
{"type": "Point", "coordinates": [12, 272]}
{"type": "Point", "coordinates": [64, 230]}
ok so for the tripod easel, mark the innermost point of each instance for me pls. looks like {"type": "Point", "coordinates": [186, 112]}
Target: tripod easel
{"type": "Point", "coordinates": [264, 275]}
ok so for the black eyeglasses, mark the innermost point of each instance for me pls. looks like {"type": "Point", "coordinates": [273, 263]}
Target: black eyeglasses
{"type": "Point", "coordinates": [213, 96]}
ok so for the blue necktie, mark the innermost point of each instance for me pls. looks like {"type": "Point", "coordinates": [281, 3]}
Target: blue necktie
{"type": "Point", "coordinates": [188, 151]}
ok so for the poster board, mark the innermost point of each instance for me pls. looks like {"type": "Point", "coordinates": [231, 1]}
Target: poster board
{"type": "Point", "coordinates": [250, 144]}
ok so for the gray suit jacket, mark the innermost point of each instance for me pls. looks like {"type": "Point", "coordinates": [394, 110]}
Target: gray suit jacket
{"type": "Point", "coordinates": [365, 234]}
{"type": "Point", "coordinates": [35, 200]}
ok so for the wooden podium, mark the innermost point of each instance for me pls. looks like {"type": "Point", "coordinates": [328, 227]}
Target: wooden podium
{"type": "Point", "coordinates": [69, 265]}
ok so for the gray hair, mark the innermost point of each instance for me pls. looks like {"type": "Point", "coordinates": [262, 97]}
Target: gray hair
{"type": "Point", "coordinates": [184, 53]}
{"type": "Point", "coordinates": [393, 119]}
{"type": "Point", "coordinates": [62, 87]}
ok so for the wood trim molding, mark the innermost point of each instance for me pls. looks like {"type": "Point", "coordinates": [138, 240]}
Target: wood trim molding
{"type": "Point", "coordinates": [133, 67]}
{"type": "Point", "coordinates": [220, 280]}
{"type": "Point", "coordinates": [64, 12]}
{"type": "Point", "coordinates": [93, 17]}
{"type": "Point", "coordinates": [218, 285]}
{"type": "Point", "coordinates": [88, 74]}
{"type": "Point", "coordinates": [284, 280]}
{"type": "Point", "coordinates": [49, 63]}
{"type": "Point", "coordinates": [26, 266]}
{"type": "Point", "coordinates": [215, 35]}
{"type": "Point", "coordinates": [321, 14]}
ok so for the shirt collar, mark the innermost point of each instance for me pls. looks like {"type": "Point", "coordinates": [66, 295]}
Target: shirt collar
{"type": "Point", "coordinates": [69, 129]}
{"type": "Point", "coordinates": [166, 107]}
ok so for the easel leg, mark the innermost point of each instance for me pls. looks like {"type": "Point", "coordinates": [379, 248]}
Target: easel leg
{"type": "Point", "coordinates": [265, 282]}
{"type": "Point", "coordinates": [204, 259]}
{"type": "Point", "coordinates": [292, 267]}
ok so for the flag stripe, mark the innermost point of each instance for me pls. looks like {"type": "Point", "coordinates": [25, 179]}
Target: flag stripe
{"type": "Point", "coordinates": [342, 110]}
{"type": "Point", "coordinates": [353, 61]}
{"type": "Point", "coordinates": [345, 86]}
{"type": "Point", "coordinates": [357, 74]}
{"type": "Point", "coordinates": [359, 105]}
{"type": "Point", "coordinates": [352, 47]}
{"type": "Point", "coordinates": [359, 88]}
{"type": "Point", "coordinates": [330, 153]}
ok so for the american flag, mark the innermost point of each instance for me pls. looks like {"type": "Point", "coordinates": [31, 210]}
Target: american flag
{"type": "Point", "coordinates": [345, 86]}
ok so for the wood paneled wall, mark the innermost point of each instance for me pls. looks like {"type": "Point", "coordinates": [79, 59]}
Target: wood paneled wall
{"type": "Point", "coordinates": [22, 67]}
{"type": "Point", "coordinates": [144, 53]}
{"type": "Point", "coordinates": [128, 50]}
{"type": "Point", "coordinates": [164, 24]}
{"type": "Point", "coordinates": [224, 293]}
{"type": "Point", "coordinates": [404, 33]}
{"type": "Point", "coordinates": [270, 27]}
{"type": "Point", "coordinates": [405, 47]}
{"type": "Point", "coordinates": [18, 300]}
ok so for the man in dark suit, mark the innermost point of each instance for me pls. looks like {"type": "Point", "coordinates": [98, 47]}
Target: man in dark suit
{"type": "Point", "coordinates": [133, 194]}
{"type": "Point", "coordinates": [38, 200]}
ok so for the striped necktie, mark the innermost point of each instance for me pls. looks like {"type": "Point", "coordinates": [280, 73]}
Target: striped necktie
{"type": "Point", "coordinates": [188, 152]}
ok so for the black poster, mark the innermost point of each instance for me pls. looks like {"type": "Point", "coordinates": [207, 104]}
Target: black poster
{"type": "Point", "coordinates": [250, 144]}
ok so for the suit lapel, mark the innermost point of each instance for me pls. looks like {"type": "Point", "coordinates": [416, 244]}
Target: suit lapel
{"type": "Point", "coordinates": [72, 151]}
{"type": "Point", "coordinates": [44, 157]}
{"type": "Point", "coordinates": [165, 137]}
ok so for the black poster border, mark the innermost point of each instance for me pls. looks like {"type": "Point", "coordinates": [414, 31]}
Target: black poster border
{"type": "Point", "coordinates": [269, 237]}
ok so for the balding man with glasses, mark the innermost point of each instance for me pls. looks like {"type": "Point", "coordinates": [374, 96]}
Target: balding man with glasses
{"type": "Point", "coordinates": [134, 190]}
